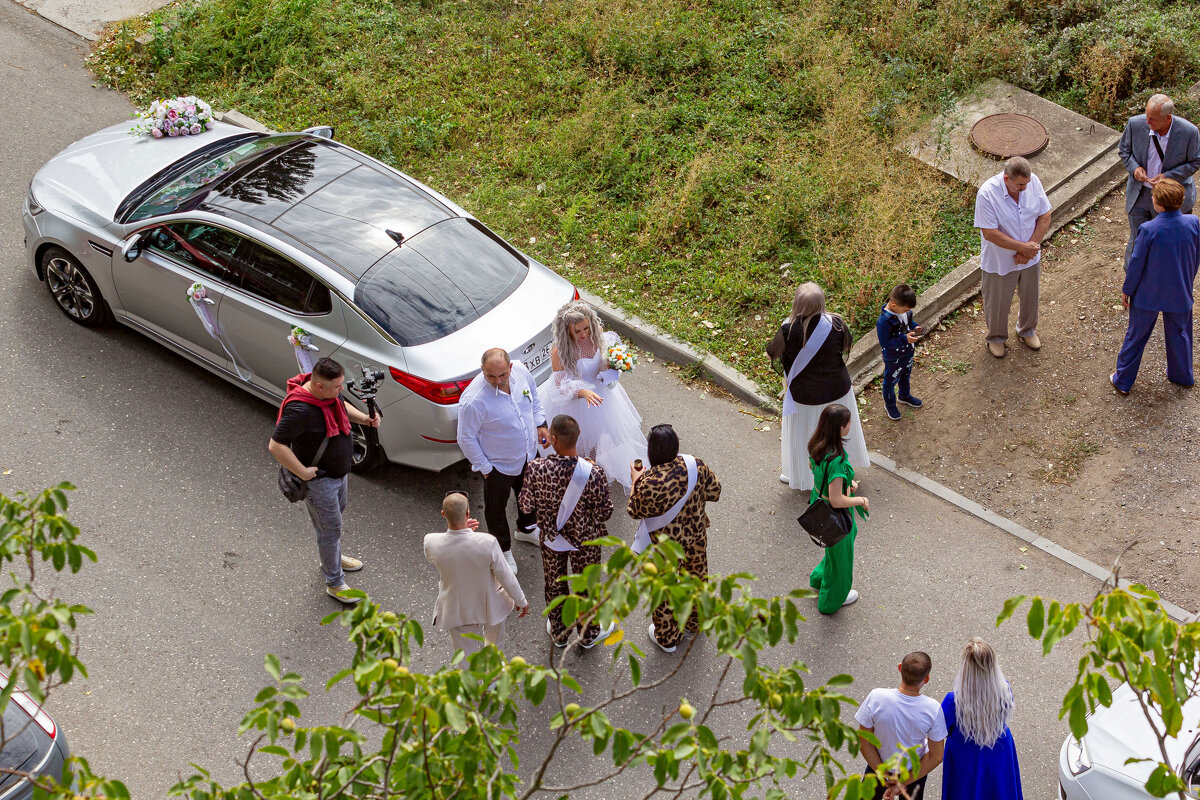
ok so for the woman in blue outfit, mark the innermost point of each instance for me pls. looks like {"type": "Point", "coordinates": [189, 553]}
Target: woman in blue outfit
{"type": "Point", "coordinates": [981, 757]}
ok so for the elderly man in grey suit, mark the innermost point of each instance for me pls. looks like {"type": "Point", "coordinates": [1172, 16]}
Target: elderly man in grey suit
{"type": "Point", "coordinates": [1156, 145]}
{"type": "Point", "coordinates": [476, 588]}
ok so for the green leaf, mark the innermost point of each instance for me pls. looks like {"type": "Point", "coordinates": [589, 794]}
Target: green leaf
{"type": "Point", "coordinates": [456, 718]}
{"type": "Point", "coordinates": [1078, 717]}
{"type": "Point", "coordinates": [635, 670]}
{"type": "Point", "coordinates": [1036, 618]}
{"type": "Point", "coordinates": [1010, 605]}
{"type": "Point", "coordinates": [271, 663]}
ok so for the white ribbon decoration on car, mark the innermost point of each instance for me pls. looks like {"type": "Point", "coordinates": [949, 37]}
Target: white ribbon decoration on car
{"type": "Point", "coordinates": [198, 297]}
{"type": "Point", "coordinates": [566, 507]}
{"type": "Point", "coordinates": [648, 526]}
{"type": "Point", "coordinates": [824, 326]}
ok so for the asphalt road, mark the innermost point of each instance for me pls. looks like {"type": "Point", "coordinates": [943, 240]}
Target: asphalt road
{"type": "Point", "coordinates": [203, 568]}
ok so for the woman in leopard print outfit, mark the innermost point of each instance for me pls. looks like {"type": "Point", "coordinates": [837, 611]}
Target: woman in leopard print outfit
{"type": "Point", "coordinates": [655, 491]}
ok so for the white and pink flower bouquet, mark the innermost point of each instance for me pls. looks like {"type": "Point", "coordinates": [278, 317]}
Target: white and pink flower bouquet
{"type": "Point", "coordinates": [620, 360]}
{"type": "Point", "coordinates": [182, 116]}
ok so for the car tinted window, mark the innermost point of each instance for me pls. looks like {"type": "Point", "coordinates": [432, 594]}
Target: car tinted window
{"type": "Point", "coordinates": [439, 281]}
{"type": "Point", "coordinates": [178, 191]}
{"type": "Point", "coordinates": [205, 248]}
{"type": "Point", "coordinates": [278, 280]}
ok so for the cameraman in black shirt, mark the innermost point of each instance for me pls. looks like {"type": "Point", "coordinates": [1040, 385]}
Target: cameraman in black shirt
{"type": "Point", "coordinates": [312, 412]}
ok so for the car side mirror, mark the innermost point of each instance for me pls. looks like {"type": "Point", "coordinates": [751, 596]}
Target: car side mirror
{"type": "Point", "coordinates": [132, 248]}
{"type": "Point", "coordinates": [324, 131]}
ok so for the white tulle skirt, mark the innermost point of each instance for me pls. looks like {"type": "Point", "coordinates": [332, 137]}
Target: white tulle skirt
{"type": "Point", "coordinates": [610, 434]}
{"type": "Point", "coordinates": [799, 428]}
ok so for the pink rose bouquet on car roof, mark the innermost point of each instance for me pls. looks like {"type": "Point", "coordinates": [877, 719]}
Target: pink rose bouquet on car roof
{"type": "Point", "coordinates": [182, 116]}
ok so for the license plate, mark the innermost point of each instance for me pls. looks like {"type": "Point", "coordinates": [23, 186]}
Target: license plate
{"type": "Point", "coordinates": [535, 361]}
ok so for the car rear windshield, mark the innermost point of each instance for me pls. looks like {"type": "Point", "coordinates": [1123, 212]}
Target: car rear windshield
{"type": "Point", "coordinates": [439, 281]}
{"type": "Point", "coordinates": [175, 193]}
{"type": "Point", "coordinates": [25, 743]}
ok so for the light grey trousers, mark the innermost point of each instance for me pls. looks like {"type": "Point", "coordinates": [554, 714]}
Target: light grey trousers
{"type": "Point", "coordinates": [492, 634]}
{"type": "Point", "coordinates": [997, 293]}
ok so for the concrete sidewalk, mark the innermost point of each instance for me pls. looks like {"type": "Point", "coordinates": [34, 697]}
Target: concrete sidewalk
{"type": "Point", "coordinates": [88, 17]}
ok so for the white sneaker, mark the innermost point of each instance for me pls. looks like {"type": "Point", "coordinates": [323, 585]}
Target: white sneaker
{"type": "Point", "coordinates": [600, 637]}
{"type": "Point", "coordinates": [784, 479]}
{"type": "Point", "coordinates": [338, 593]}
{"type": "Point", "coordinates": [650, 631]}
{"type": "Point", "coordinates": [512, 562]}
{"type": "Point", "coordinates": [851, 598]}
{"type": "Point", "coordinates": [531, 536]}
{"type": "Point", "coordinates": [557, 643]}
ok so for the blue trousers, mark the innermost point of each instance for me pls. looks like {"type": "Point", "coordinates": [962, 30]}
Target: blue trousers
{"type": "Point", "coordinates": [896, 374]}
{"type": "Point", "coordinates": [1178, 329]}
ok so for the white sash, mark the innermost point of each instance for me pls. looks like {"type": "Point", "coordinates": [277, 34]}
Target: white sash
{"type": "Point", "coordinates": [579, 479]}
{"type": "Point", "coordinates": [819, 335]}
{"type": "Point", "coordinates": [642, 540]}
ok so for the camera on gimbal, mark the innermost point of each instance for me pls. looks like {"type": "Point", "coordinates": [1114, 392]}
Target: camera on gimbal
{"type": "Point", "coordinates": [366, 387]}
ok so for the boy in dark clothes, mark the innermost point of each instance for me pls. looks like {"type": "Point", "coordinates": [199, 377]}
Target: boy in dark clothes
{"type": "Point", "coordinates": [898, 334]}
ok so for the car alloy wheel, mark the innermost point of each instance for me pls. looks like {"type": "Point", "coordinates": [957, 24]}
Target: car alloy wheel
{"type": "Point", "coordinates": [72, 288]}
{"type": "Point", "coordinates": [366, 454]}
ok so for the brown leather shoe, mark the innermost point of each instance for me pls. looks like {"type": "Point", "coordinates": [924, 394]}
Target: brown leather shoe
{"type": "Point", "coordinates": [1032, 341]}
{"type": "Point", "coordinates": [998, 349]}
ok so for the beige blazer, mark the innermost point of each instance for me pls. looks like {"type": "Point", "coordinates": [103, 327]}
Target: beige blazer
{"type": "Point", "coordinates": [476, 585]}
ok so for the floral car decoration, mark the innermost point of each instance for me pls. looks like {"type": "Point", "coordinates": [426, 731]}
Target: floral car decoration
{"type": "Point", "coordinates": [182, 116]}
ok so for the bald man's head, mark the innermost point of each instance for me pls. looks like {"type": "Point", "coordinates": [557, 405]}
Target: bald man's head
{"type": "Point", "coordinates": [455, 509]}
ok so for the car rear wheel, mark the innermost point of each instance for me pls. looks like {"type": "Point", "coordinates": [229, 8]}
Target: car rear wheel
{"type": "Point", "coordinates": [72, 288]}
{"type": "Point", "coordinates": [367, 453]}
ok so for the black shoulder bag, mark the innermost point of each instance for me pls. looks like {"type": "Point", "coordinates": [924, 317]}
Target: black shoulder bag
{"type": "Point", "coordinates": [823, 523]}
{"type": "Point", "coordinates": [290, 484]}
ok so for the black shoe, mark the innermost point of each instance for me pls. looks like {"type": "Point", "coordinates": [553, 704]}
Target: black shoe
{"type": "Point", "coordinates": [915, 402]}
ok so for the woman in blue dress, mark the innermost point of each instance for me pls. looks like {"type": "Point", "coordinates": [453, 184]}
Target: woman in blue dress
{"type": "Point", "coordinates": [981, 757]}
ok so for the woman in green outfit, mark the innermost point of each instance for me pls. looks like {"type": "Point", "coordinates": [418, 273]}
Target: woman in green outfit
{"type": "Point", "coordinates": [833, 479]}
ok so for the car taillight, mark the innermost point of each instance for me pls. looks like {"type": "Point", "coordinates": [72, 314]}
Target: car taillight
{"type": "Point", "coordinates": [34, 710]}
{"type": "Point", "coordinates": [576, 295]}
{"type": "Point", "coordinates": [442, 393]}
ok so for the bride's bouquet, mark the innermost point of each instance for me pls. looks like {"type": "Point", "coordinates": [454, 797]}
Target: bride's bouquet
{"type": "Point", "coordinates": [620, 360]}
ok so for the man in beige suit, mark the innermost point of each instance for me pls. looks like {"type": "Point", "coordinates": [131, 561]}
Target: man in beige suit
{"type": "Point", "coordinates": [477, 590]}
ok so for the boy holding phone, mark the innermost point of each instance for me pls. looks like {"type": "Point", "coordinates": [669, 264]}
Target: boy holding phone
{"type": "Point", "coordinates": [898, 333]}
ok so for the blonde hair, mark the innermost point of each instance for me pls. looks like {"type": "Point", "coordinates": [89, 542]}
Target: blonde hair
{"type": "Point", "coordinates": [982, 697]}
{"type": "Point", "coordinates": [569, 316]}
{"type": "Point", "coordinates": [808, 303]}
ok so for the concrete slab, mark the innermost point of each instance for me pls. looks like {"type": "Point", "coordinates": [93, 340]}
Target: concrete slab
{"type": "Point", "coordinates": [1075, 140]}
{"type": "Point", "coordinates": [88, 17]}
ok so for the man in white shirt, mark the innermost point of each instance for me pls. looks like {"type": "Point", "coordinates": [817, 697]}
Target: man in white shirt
{"type": "Point", "coordinates": [902, 718]}
{"type": "Point", "coordinates": [1012, 213]}
{"type": "Point", "coordinates": [476, 589]}
{"type": "Point", "coordinates": [500, 424]}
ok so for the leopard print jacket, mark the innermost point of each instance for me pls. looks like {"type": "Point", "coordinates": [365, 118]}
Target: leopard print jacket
{"type": "Point", "coordinates": [545, 483]}
{"type": "Point", "coordinates": [660, 487]}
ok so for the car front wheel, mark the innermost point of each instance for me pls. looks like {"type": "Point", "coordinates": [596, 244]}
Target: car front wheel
{"type": "Point", "coordinates": [72, 288]}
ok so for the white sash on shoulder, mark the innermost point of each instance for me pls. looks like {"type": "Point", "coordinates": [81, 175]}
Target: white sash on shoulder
{"type": "Point", "coordinates": [648, 526]}
{"type": "Point", "coordinates": [820, 334]}
{"type": "Point", "coordinates": [579, 479]}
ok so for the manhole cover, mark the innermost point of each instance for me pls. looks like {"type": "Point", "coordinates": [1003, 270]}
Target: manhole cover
{"type": "Point", "coordinates": [1007, 135]}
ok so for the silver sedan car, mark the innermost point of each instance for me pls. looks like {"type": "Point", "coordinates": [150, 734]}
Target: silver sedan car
{"type": "Point", "coordinates": [282, 231]}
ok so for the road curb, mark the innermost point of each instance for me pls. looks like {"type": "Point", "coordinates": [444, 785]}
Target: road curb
{"type": "Point", "coordinates": [1008, 526]}
{"type": "Point", "coordinates": [668, 348]}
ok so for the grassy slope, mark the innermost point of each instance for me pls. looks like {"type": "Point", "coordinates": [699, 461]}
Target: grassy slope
{"type": "Point", "coordinates": [689, 160]}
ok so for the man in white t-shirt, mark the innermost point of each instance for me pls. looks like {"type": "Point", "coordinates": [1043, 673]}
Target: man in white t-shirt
{"type": "Point", "coordinates": [902, 718]}
{"type": "Point", "coordinates": [1012, 213]}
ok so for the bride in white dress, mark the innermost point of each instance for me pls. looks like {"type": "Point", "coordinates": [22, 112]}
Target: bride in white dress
{"type": "Point", "coordinates": [610, 428]}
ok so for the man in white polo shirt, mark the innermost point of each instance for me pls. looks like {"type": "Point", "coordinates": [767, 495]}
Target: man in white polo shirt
{"type": "Point", "coordinates": [902, 718]}
{"type": "Point", "coordinates": [1012, 213]}
{"type": "Point", "coordinates": [500, 425]}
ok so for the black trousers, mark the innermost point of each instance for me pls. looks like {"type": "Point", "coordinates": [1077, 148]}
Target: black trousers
{"type": "Point", "coordinates": [496, 488]}
{"type": "Point", "coordinates": [916, 789]}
